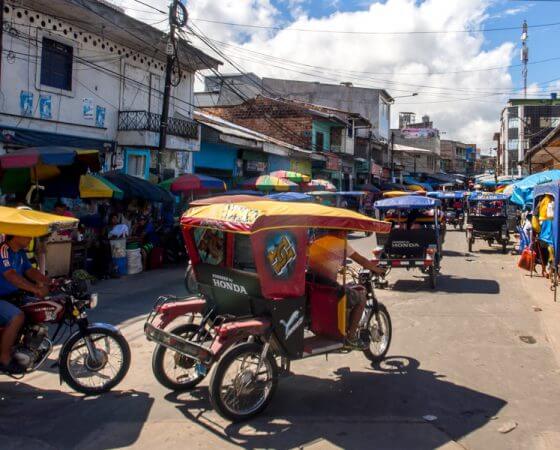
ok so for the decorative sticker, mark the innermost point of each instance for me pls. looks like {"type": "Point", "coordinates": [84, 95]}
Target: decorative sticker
{"type": "Point", "coordinates": [100, 116]}
{"type": "Point", "coordinates": [26, 103]}
{"type": "Point", "coordinates": [241, 214]}
{"type": "Point", "coordinates": [281, 254]}
{"type": "Point", "coordinates": [45, 106]}
{"type": "Point", "coordinates": [87, 108]}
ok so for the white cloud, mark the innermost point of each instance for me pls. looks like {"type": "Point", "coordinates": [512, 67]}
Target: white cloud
{"type": "Point", "coordinates": [402, 63]}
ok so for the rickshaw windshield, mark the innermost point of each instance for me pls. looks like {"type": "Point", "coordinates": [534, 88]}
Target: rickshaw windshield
{"type": "Point", "coordinates": [488, 208]}
{"type": "Point", "coordinates": [267, 237]}
{"type": "Point", "coordinates": [28, 223]}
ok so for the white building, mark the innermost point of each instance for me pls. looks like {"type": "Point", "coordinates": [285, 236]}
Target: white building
{"type": "Point", "coordinates": [83, 74]}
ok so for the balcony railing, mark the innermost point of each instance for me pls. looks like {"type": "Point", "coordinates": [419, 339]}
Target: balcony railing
{"type": "Point", "coordinates": [147, 121]}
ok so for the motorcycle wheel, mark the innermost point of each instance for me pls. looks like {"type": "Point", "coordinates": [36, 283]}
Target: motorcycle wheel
{"type": "Point", "coordinates": [234, 393]}
{"type": "Point", "coordinates": [381, 333]}
{"type": "Point", "coordinates": [504, 247]}
{"type": "Point", "coordinates": [182, 363]}
{"type": "Point", "coordinates": [78, 373]}
{"type": "Point", "coordinates": [190, 281]}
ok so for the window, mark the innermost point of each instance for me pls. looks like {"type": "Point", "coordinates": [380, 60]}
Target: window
{"type": "Point", "coordinates": [350, 129]}
{"type": "Point", "coordinates": [513, 144]}
{"type": "Point", "coordinates": [513, 122]}
{"type": "Point", "coordinates": [319, 141]}
{"type": "Point", "coordinates": [136, 165]}
{"type": "Point", "coordinates": [56, 65]}
{"type": "Point", "coordinates": [549, 122]}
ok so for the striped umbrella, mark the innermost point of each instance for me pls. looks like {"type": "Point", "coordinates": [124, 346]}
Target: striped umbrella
{"type": "Point", "coordinates": [320, 185]}
{"type": "Point", "coordinates": [190, 182]}
{"type": "Point", "coordinates": [93, 186]}
{"type": "Point", "coordinates": [269, 183]}
{"type": "Point", "coordinates": [296, 177]}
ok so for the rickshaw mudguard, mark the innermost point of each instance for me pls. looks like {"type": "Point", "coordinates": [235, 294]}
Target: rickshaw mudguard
{"type": "Point", "coordinates": [168, 312]}
{"type": "Point", "coordinates": [230, 333]}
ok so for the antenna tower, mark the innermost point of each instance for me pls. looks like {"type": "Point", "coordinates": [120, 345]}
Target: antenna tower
{"type": "Point", "coordinates": [524, 55]}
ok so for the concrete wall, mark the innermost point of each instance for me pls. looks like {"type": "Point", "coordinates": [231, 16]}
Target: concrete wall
{"type": "Point", "coordinates": [366, 102]}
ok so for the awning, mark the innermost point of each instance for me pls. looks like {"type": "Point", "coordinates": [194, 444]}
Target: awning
{"type": "Point", "coordinates": [93, 186]}
{"type": "Point", "coordinates": [546, 152]}
{"type": "Point", "coordinates": [134, 187]}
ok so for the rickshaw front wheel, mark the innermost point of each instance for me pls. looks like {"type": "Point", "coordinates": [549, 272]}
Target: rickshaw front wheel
{"type": "Point", "coordinates": [174, 371]}
{"type": "Point", "coordinates": [240, 388]}
{"type": "Point", "coordinates": [380, 332]}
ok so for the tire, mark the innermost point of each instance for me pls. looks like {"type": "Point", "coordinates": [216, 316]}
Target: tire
{"type": "Point", "coordinates": [384, 315]}
{"type": "Point", "coordinates": [190, 281]}
{"type": "Point", "coordinates": [432, 275]}
{"type": "Point", "coordinates": [504, 247]}
{"type": "Point", "coordinates": [158, 358]}
{"type": "Point", "coordinates": [65, 371]}
{"type": "Point", "coordinates": [470, 243]}
{"type": "Point", "coordinates": [244, 349]}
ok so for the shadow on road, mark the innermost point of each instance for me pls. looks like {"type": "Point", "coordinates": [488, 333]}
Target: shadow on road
{"type": "Point", "coordinates": [453, 254]}
{"type": "Point", "coordinates": [35, 418]}
{"type": "Point", "coordinates": [449, 284]}
{"type": "Point", "coordinates": [384, 405]}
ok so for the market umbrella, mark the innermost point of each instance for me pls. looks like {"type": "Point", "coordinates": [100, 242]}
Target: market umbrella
{"type": "Point", "coordinates": [290, 197]}
{"type": "Point", "coordinates": [29, 223]}
{"type": "Point", "coordinates": [269, 183]}
{"type": "Point", "coordinates": [522, 192]}
{"type": "Point", "coordinates": [53, 155]}
{"type": "Point", "coordinates": [134, 187]}
{"type": "Point", "coordinates": [93, 186]}
{"type": "Point", "coordinates": [321, 185]}
{"type": "Point", "coordinates": [296, 177]}
{"type": "Point", "coordinates": [190, 182]}
{"type": "Point", "coordinates": [368, 187]}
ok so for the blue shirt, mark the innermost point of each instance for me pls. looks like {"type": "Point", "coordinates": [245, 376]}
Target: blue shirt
{"type": "Point", "coordinates": [10, 260]}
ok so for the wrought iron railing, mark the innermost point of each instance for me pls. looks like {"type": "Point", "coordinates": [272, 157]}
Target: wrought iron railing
{"type": "Point", "coordinates": [147, 121]}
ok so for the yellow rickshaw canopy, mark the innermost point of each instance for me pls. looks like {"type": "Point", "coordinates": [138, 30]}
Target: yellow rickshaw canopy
{"type": "Point", "coordinates": [251, 217]}
{"type": "Point", "coordinates": [22, 222]}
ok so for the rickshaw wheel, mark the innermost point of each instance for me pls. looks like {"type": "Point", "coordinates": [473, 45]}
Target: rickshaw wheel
{"type": "Point", "coordinates": [237, 401]}
{"type": "Point", "coordinates": [504, 247]}
{"type": "Point", "coordinates": [385, 319]}
{"type": "Point", "coordinates": [470, 245]}
{"type": "Point", "coordinates": [184, 363]}
{"type": "Point", "coordinates": [432, 277]}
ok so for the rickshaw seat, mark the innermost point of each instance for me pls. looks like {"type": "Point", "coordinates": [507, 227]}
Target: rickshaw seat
{"type": "Point", "coordinates": [328, 310]}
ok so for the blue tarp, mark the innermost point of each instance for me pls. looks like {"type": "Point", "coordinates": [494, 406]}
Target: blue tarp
{"type": "Point", "coordinates": [290, 197]}
{"type": "Point", "coordinates": [523, 189]}
{"type": "Point", "coordinates": [407, 202]}
{"type": "Point", "coordinates": [414, 182]}
{"type": "Point", "coordinates": [487, 196]}
{"type": "Point", "coordinates": [446, 194]}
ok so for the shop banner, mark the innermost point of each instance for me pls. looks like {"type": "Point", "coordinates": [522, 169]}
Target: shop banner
{"type": "Point", "coordinates": [301, 166]}
{"type": "Point", "coordinates": [376, 170]}
{"type": "Point", "coordinates": [333, 162]}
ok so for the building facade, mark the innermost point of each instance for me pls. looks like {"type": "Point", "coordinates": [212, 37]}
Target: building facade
{"type": "Point", "coordinates": [86, 75]}
{"type": "Point", "coordinates": [457, 157]}
{"type": "Point", "coordinates": [523, 124]}
{"type": "Point", "coordinates": [328, 135]}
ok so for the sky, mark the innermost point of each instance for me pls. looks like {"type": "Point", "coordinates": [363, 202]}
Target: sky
{"type": "Point", "coordinates": [463, 79]}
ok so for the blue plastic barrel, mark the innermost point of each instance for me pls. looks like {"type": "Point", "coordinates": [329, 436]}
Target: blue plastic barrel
{"type": "Point", "coordinates": [121, 265]}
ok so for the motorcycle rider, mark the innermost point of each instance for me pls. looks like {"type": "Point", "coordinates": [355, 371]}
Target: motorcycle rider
{"type": "Point", "coordinates": [16, 275]}
{"type": "Point", "coordinates": [326, 255]}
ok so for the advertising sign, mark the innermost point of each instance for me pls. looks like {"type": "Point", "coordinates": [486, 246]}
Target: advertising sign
{"type": "Point", "coordinates": [416, 133]}
{"type": "Point", "coordinates": [26, 103]}
{"type": "Point", "coordinates": [300, 166]}
{"type": "Point", "coordinates": [282, 274]}
{"type": "Point", "coordinates": [333, 162]}
{"type": "Point", "coordinates": [45, 106]}
{"type": "Point", "coordinates": [87, 108]}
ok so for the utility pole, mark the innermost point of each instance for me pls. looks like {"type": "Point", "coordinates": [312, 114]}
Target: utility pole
{"type": "Point", "coordinates": [392, 163]}
{"type": "Point", "coordinates": [170, 50]}
{"type": "Point", "coordinates": [1, 36]}
{"type": "Point", "coordinates": [524, 56]}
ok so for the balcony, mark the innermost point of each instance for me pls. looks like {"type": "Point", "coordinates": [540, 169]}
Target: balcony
{"type": "Point", "coordinates": [147, 121]}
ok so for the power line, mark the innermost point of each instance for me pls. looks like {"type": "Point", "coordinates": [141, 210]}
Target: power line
{"type": "Point", "coordinates": [381, 33]}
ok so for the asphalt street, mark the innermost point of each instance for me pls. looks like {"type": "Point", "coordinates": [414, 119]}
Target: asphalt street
{"type": "Point", "coordinates": [468, 361]}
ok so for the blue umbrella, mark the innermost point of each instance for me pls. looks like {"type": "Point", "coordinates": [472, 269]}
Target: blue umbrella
{"type": "Point", "coordinates": [523, 189]}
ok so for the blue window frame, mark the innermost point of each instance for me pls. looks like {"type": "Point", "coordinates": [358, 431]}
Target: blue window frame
{"type": "Point", "coordinates": [56, 65]}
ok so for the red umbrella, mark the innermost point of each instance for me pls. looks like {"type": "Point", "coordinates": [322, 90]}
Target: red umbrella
{"type": "Point", "coordinates": [190, 182]}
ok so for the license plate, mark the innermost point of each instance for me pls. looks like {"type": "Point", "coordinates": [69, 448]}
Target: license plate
{"type": "Point", "coordinates": [200, 369]}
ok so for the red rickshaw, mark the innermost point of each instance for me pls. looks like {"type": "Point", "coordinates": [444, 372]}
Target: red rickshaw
{"type": "Point", "coordinates": [259, 306]}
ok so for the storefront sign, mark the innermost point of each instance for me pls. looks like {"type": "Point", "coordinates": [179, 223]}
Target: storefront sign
{"type": "Point", "coordinates": [333, 163]}
{"type": "Point", "coordinates": [376, 170]}
{"type": "Point", "coordinates": [415, 133]}
{"type": "Point", "coordinates": [256, 166]}
{"type": "Point", "coordinates": [301, 166]}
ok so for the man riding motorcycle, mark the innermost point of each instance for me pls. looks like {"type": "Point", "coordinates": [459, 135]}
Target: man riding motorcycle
{"type": "Point", "coordinates": [16, 275]}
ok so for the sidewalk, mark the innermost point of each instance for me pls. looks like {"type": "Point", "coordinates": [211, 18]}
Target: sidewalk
{"type": "Point", "coordinates": [542, 301]}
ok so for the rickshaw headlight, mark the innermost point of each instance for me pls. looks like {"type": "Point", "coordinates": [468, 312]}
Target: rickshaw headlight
{"type": "Point", "coordinates": [93, 298]}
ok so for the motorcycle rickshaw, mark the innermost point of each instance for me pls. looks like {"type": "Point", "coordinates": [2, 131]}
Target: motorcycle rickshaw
{"type": "Point", "coordinates": [487, 219]}
{"type": "Point", "coordinates": [94, 357]}
{"type": "Point", "coordinates": [259, 306]}
{"type": "Point", "coordinates": [415, 239]}
{"type": "Point", "coordinates": [453, 206]}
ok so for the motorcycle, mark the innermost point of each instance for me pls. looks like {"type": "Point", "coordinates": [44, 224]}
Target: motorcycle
{"type": "Point", "coordinates": [93, 360]}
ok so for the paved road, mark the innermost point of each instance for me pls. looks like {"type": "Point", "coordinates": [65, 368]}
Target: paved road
{"type": "Point", "coordinates": [457, 354]}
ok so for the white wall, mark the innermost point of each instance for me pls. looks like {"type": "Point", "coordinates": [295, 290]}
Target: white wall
{"type": "Point", "coordinates": [121, 80]}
